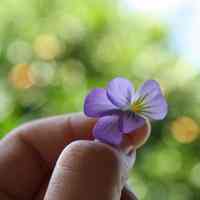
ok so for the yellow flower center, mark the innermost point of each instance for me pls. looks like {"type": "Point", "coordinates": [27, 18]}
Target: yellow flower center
{"type": "Point", "coordinates": [137, 106]}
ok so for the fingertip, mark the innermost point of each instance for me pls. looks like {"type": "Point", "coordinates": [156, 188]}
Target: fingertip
{"type": "Point", "coordinates": [93, 169]}
{"type": "Point", "coordinates": [89, 153]}
{"type": "Point", "coordinates": [136, 139]}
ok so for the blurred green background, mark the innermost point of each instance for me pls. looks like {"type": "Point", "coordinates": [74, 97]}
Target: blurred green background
{"type": "Point", "coordinates": [53, 52]}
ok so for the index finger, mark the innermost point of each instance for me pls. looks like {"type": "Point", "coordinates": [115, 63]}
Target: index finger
{"type": "Point", "coordinates": [49, 136]}
{"type": "Point", "coordinates": [28, 153]}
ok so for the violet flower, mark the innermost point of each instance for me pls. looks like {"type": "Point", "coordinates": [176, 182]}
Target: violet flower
{"type": "Point", "coordinates": [121, 109]}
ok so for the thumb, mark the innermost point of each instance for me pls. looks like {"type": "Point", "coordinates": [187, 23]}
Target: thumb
{"type": "Point", "coordinates": [89, 170]}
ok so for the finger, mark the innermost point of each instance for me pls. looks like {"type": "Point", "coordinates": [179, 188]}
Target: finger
{"type": "Point", "coordinates": [127, 194]}
{"type": "Point", "coordinates": [35, 147]}
{"type": "Point", "coordinates": [138, 137]}
{"type": "Point", "coordinates": [49, 136]}
{"type": "Point", "coordinates": [28, 154]}
{"type": "Point", "coordinates": [88, 170]}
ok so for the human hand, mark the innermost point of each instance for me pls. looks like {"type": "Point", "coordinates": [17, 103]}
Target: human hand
{"type": "Point", "coordinates": [57, 159]}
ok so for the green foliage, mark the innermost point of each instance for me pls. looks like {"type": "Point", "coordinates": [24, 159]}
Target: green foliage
{"type": "Point", "coordinates": [53, 52]}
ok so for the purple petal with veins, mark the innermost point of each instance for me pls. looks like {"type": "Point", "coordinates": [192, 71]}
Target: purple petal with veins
{"type": "Point", "coordinates": [97, 104]}
{"type": "Point", "coordinates": [120, 92]}
{"type": "Point", "coordinates": [155, 105]}
{"type": "Point", "coordinates": [149, 90]}
{"type": "Point", "coordinates": [107, 130]}
{"type": "Point", "coordinates": [157, 108]}
{"type": "Point", "coordinates": [130, 122]}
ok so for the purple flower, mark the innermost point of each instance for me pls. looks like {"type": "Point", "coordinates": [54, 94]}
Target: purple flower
{"type": "Point", "coordinates": [121, 109]}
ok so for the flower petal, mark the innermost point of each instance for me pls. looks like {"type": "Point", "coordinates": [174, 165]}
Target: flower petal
{"type": "Point", "coordinates": [107, 130]}
{"type": "Point", "coordinates": [97, 104]}
{"type": "Point", "coordinates": [155, 104]}
{"type": "Point", "coordinates": [157, 108]}
{"type": "Point", "coordinates": [130, 121]}
{"type": "Point", "coordinates": [149, 89]}
{"type": "Point", "coordinates": [120, 92]}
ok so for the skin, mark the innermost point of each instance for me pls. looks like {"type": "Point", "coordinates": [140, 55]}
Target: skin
{"type": "Point", "coordinates": [57, 158]}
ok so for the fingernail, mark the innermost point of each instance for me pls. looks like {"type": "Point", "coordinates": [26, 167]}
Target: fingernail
{"type": "Point", "coordinates": [136, 139]}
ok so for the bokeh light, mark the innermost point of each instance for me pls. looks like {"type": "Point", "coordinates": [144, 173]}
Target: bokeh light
{"type": "Point", "coordinates": [185, 129]}
{"type": "Point", "coordinates": [21, 76]}
{"type": "Point", "coordinates": [19, 51]}
{"type": "Point", "coordinates": [43, 72]}
{"type": "Point", "coordinates": [73, 30]}
{"type": "Point", "coordinates": [47, 46]}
